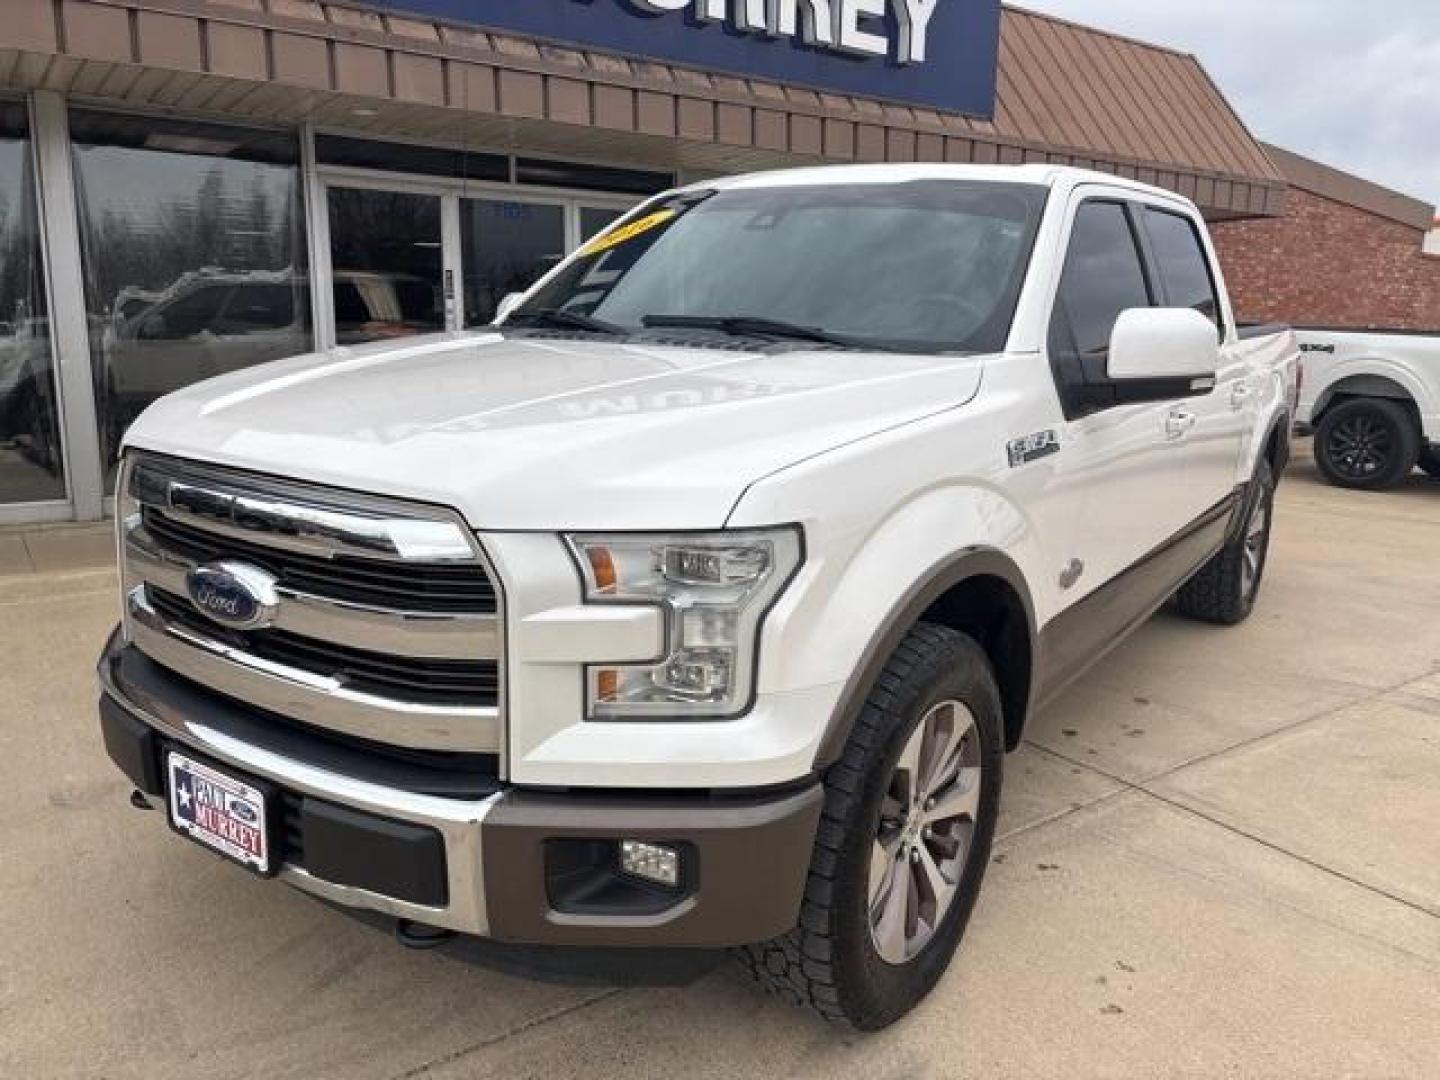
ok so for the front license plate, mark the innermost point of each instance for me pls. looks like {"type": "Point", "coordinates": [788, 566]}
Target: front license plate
{"type": "Point", "coordinates": [213, 808]}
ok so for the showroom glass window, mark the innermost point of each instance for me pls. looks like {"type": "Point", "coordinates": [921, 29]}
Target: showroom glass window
{"type": "Point", "coordinates": [31, 468]}
{"type": "Point", "coordinates": [193, 239]}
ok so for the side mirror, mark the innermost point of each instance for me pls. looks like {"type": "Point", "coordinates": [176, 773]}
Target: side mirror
{"type": "Point", "coordinates": [507, 305]}
{"type": "Point", "coordinates": [1157, 354]}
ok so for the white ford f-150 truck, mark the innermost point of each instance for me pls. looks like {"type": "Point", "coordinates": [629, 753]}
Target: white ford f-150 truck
{"type": "Point", "coordinates": [1372, 400]}
{"type": "Point", "coordinates": [698, 601]}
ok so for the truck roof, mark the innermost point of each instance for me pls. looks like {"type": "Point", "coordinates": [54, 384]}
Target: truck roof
{"type": "Point", "coordinates": [1052, 176]}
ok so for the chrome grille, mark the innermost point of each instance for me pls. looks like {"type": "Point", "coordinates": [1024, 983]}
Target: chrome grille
{"type": "Point", "coordinates": [414, 587]}
{"type": "Point", "coordinates": [388, 625]}
{"type": "Point", "coordinates": [452, 682]}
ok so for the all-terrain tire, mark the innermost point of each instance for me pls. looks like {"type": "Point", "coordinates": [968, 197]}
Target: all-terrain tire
{"type": "Point", "coordinates": [1225, 589]}
{"type": "Point", "coordinates": [829, 963]}
{"type": "Point", "coordinates": [1368, 444]}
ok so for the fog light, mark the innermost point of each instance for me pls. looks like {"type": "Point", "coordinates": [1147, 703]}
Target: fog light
{"type": "Point", "coordinates": [653, 862]}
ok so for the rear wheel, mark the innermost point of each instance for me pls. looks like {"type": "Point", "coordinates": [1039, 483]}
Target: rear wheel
{"type": "Point", "coordinates": [1369, 444]}
{"type": "Point", "coordinates": [1225, 589]}
{"type": "Point", "coordinates": [903, 842]}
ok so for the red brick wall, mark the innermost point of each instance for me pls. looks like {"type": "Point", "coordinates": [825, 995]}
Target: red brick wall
{"type": "Point", "coordinates": [1328, 264]}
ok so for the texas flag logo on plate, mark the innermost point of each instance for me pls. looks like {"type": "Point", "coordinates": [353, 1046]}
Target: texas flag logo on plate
{"type": "Point", "coordinates": [219, 811]}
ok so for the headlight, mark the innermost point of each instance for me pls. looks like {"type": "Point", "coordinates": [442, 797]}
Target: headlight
{"type": "Point", "coordinates": [714, 590]}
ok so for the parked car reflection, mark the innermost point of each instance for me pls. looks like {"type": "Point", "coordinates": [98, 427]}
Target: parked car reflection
{"type": "Point", "coordinates": [213, 321]}
{"type": "Point", "coordinates": [207, 322]}
{"type": "Point", "coordinates": [28, 413]}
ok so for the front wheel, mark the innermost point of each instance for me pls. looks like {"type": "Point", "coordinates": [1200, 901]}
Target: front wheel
{"type": "Point", "coordinates": [903, 842]}
{"type": "Point", "coordinates": [1430, 461]}
{"type": "Point", "coordinates": [1369, 444]}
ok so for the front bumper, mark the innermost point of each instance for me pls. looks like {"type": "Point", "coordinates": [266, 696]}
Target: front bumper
{"type": "Point", "coordinates": [440, 840]}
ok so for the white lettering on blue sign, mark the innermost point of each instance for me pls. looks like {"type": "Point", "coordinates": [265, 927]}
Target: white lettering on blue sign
{"type": "Point", "coordinates": [846, 26]}
{"type": "Point", "coordinates": [941, 54]}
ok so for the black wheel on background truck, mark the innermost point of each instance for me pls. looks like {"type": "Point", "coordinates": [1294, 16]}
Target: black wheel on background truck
{"type": "Point", "coordinates": [904, 839]}
{"type": "Point", "coordinates": [1224, 590]}
{"type": "Point", "coordinates": [1369, 444]}
{"type": "Point", "coordinates": [1430, 461]}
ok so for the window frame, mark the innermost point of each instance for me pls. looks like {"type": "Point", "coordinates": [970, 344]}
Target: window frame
{"type": "Point", "coordinates": [1094, 392]}
{"type": "Point", "coordinates": [1197, 233]}
{"type": "Point", "coordinates": [1081, 387]}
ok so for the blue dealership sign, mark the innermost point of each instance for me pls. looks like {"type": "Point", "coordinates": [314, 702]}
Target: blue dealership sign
{"type": "Point", "coordinates": [938, 53]}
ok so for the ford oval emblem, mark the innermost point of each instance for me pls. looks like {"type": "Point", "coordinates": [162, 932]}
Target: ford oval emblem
{"type": "Point", "coordinates": [234, 594]}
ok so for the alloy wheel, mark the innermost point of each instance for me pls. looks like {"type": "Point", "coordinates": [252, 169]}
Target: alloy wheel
{"type": "Point", "coordinates": [1361, 446]}
{"type": "Point", "coordinates": [1256, 537]}
{"type": "Point", "coordinates": [926, 832]}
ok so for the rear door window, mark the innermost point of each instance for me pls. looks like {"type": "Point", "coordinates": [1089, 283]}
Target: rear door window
{"type": "Point", "coordinates": [1180, 258]}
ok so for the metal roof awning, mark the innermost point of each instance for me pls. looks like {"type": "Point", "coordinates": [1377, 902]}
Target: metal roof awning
{"type": "Point", "coordinates": [1067, 94]}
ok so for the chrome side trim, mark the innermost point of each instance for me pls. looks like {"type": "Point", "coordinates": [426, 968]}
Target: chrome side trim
{"type": "Point", "coordinates": [460, 823]}
{"type": "Point", "coordinates": [379, 630]}
{"type": "Point", "coordinates": [306, 696]}
{"type": "Point", "coordinates": [298, 518]}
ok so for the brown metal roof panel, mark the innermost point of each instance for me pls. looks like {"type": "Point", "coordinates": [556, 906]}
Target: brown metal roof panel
{"type": "Point", "coordinates": [1223, 119]}
{"type": "Point", "coordinates": [1016, 85]}
{"type": "Point", "coordinates": [1079, 87]}
{"type": "Point", "coordinates": [1032, 46]}
{"type": "Point", "coordinates": [1216, 140]}
{"type": "Point", "coordinates": [1338, 186]}
{"type": "Point", "coordinates": [1129, 98]}
{"type": "Point", "coordinates": [1169, 137]}
{"type": "Point", "coordinates": [1133, 131]}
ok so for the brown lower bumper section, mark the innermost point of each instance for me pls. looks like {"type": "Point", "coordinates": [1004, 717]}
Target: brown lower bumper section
{"type": "Point", "coordinates": [439, 839]}
{"type": "Point", "coordinates": [551, 878]}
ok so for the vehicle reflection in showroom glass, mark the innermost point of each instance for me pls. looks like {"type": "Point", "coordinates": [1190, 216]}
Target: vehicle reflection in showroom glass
{"type": "Point", "coordinates": [928, 265]}
{"type": "Point", "coordinates": [508, 246]}
{"type": "Point", "coordinates": [193, 243]}
{"type": "Point", "coordinates": [385, 248]}
{"type": "Point", "coordinates": [31, 467]}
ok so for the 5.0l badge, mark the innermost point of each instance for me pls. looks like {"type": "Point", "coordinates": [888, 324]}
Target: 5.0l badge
{"type": "Point", "coordinates": [1030, 448]}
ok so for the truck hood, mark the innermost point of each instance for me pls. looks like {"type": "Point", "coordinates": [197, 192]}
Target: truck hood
{"type": "Point", "coordinates": [539, 433]}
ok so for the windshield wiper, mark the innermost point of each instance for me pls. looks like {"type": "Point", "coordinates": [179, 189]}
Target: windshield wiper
{"type": "Point", "coordinates": [567, 320]}
{"type": "Point", "coordinates": [754, 325]}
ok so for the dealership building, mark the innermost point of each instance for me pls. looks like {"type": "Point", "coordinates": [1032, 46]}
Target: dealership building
{"type": "Point", "coordinates": [192, 186]}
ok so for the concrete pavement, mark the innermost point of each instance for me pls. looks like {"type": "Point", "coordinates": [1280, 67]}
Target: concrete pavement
{"type": "Point", "coordinates": [1219, 857]}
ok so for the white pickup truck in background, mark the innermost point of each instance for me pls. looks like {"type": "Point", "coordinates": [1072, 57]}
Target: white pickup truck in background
{"type": "Point", "coordinates": [1372, 400]}
{"type": "Point", "coordinates": [697, 602]}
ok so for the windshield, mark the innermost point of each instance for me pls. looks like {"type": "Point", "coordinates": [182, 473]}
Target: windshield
{"type": "Point", "coordinates": [926, 265]}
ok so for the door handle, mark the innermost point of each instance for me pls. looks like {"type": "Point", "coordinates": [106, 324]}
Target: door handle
{"type": "Point", "coordinates": [1178, 423]}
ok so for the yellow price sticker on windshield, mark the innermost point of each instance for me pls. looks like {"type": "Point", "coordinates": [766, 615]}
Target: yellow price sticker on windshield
{"type": "Point", "coordinates": [626, 233]}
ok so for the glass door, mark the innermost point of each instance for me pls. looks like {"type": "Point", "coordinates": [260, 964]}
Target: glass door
{"type": "Point", "coordinates": [508, 245]}
{"type": "Point", "coordinates": [594, 219]}
{"type": "Point", "coordinates": [416, 255]}
{"type": "Point", "coordinates": [387, 262]}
